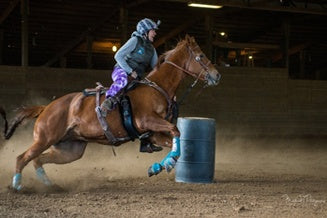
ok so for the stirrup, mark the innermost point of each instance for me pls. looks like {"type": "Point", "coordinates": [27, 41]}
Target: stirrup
{"type": "Point", "coordinates": [109, 104]}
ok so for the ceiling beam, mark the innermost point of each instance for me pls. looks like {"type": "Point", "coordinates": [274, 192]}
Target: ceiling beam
{"type": "Point", "coordinates": [104, 46]}
{"type": "Point", "coordinates": [244, 45]}
{"type": "Point", "coordinates": [291, 51]}
{"type": "Point", "coordinates": [257, 33]}
{"type": "Point", "coordinates": [175, 31]}
{"type": "Point", "coordinates": [9, 9]}
{"type": "Point", "coordinates": [84, 34]}
{"type": "Point", "coordinates": [78, 40]}
{"type": "Point", "coordinates": [301, 7]}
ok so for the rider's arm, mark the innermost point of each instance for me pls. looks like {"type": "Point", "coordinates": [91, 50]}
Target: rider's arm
{"type": "Point", "coordinates": [126, 49]}
{"type": "Point", "coordinates": [154, 59]}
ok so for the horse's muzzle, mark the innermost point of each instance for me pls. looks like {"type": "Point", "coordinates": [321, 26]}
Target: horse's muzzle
{"type": "Point", "coordinates": [213, 78]}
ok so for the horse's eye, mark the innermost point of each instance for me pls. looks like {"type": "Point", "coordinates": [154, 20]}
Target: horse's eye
{"type": "Point", "coordinates": [201, 55]}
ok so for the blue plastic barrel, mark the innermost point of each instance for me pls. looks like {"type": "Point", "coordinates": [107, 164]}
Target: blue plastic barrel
{"type": "Point", "coordinates": [198, 141]}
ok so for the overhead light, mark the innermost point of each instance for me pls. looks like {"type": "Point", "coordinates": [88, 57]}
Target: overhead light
{"type": "Point", "coordinates": [198, 5]}
{"type": "Point", "coordinates": [250, 57]}
{"type": "Point", "coordinates": [114, 48]}
{"type": "Point", "coordinates": [222, 33]}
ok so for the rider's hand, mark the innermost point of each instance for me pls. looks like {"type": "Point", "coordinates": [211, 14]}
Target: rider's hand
{"type": "Point", "coordinates": [134, 74]}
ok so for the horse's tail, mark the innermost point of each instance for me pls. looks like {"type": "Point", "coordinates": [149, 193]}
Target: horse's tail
{"type": "Point", "coordinates": [3, 114]}
{"type": "Point", "coordinates": [23, 113]}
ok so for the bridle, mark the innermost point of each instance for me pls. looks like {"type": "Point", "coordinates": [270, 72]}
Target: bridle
{"type": "Point", "coordinates": [198, 59]}
{"type": "Point", "coordinates": [205, 68]}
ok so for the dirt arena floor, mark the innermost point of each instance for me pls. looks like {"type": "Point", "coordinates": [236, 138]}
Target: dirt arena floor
{"type": "Point", "coordinates": [253, 178]}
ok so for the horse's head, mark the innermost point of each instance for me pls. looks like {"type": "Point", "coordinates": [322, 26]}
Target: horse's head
{"type": "Point", "coordinates": [198, 65]}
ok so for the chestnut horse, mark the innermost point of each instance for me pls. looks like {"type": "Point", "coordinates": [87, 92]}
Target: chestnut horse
{"type": "Point", "coordinates": [67, 124]}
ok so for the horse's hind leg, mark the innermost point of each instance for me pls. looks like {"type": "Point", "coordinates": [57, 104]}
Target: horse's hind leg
{"type": "Point", "coordinates": [22, 160]}
{"type": "Point", "coordinates": [61, 153]}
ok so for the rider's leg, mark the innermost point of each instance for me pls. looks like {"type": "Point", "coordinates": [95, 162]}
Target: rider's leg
{"type": "Point", "coordinates": [120, 80]}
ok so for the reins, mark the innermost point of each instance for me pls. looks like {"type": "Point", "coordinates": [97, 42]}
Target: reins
{"type": "Point", "coordinates": [197, 58]}
{"type": "Point", "coordinates": [184, 70]}
{"type": "Point", "coordinates": [204, 69]}
{"type": "Point", "coordinates": [187, 92]}
{"type": "Point", "coordinates": [148, 82]}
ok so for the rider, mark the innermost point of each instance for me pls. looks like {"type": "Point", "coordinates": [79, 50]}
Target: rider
{"type": "Point", "coordinates": [133, 59]}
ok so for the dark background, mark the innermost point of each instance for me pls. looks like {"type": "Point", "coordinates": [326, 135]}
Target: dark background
{"type": "Point", "coordinates": [67, 46]}
{"type": "Point", "coordinates": [277, 33]}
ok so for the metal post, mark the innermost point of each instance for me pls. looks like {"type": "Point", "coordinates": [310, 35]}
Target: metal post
{"type": "Point", "coordinates": [24, 6]}
{"type": "Point", "coordinates": [302, 64]}
{"type": "Point", "coordinates": [286, 27]}
{"type": "Point", "coordinates": [63, 62]}
{"type": "Point", "coordinates": [208, 28]}
{"type": "Point", "coordinates": [123, 22]}
{"type": "Point", "coordinates": [89, 43]}
{"type": "Point", "coordinates": [1, 45]}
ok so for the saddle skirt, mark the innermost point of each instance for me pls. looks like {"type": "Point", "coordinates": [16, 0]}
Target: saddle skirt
{"type": "Point", "coordinates": [126, 109]}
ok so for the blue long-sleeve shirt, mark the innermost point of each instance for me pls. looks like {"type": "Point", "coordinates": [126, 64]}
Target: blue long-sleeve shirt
{"type": "Point", "coordinates": [127, 49]}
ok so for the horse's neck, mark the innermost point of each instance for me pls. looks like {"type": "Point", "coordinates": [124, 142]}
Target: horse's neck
{"type": "Point", "coordinates": [168, 77]}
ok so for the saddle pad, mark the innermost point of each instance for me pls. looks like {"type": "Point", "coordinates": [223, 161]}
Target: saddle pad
{"type": "Point", "coordinates": [92, 92]}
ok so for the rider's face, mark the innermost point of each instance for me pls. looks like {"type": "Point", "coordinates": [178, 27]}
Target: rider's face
{"type": "Point", "coordinates": [151, 35]}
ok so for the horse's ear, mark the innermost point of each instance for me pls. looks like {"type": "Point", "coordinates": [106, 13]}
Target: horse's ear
{"type": "Point", "coordinates": [189, 39]}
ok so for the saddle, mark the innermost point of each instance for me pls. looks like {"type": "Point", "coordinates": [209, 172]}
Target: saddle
{"type": "Point", "coordinates": [102, 89]}
{"type": "Point", "coordinates": [126, 110]}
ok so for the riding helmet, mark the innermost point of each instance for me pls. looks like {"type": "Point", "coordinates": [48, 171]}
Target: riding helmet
{"type": "Point", "coordinates": [146, 24]}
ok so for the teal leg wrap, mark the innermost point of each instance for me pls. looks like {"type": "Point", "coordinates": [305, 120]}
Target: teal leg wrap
{"type": "Point", "coordinates": [169, 161]}
{"type": "Point", "coordinates": [16, 181]}
{"type": "Point", "coordinates": [155, 169]}
{"type": "Point", "coordinates": [42, 176]}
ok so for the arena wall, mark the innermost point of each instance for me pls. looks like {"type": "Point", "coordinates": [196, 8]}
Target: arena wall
{"type": "Point", "coordinates": [247, 102]}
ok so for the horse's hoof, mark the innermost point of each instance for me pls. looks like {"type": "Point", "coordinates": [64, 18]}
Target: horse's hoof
{"type": "Point", "coordinates": [42, 176]}
{"type": "Point", "coordinates": [155, 169]}
{"type": "Point", "coordinates": [18, 188]}
{"type": "Point", "coordinates": [150, 172]}
{"type": "Point", "coordinates": [16, 182]}
{"type": "Point", "coordinates": [13, 190]}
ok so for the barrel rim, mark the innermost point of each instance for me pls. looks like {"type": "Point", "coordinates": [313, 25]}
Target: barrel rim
{"type": "Point", "coordinates": [197, 118]}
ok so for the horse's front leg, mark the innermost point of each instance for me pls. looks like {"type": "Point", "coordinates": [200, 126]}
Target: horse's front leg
{"type": "Point", "coordinates": [161, 139]}
{"type": "Point", "coordinates": [157, 124]}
